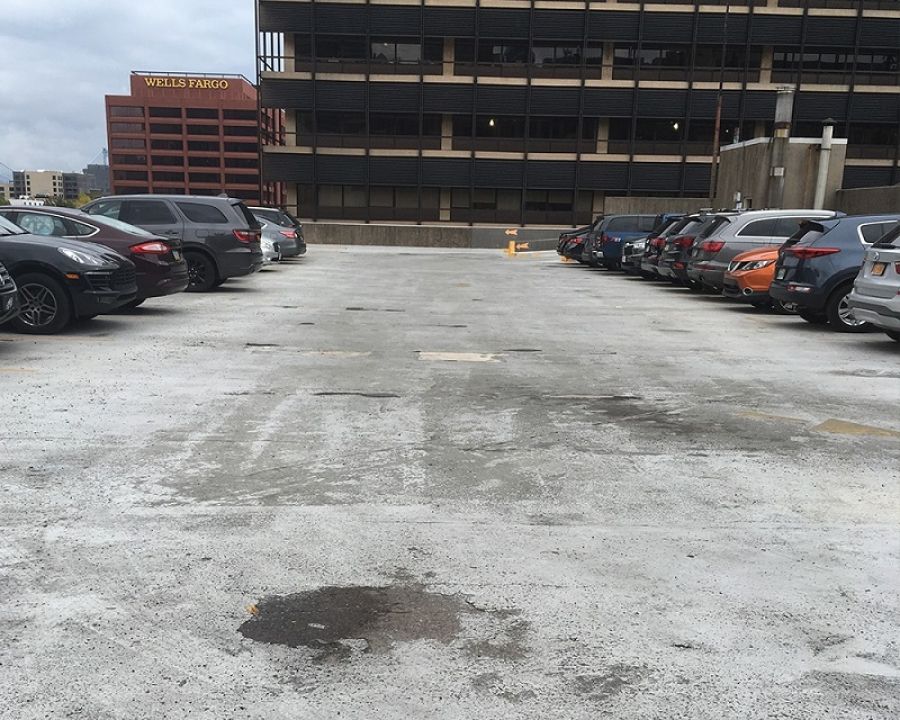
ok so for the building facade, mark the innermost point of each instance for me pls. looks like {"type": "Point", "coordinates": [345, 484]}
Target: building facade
{"type": "Point", "coordinates": [185, 134]}
{"type": "Point", "coordinates": [44, 184]}
{"type": "Point", "coordinates": [533, 112]}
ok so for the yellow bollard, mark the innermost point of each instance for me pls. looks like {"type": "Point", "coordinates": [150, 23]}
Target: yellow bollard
{"type": "Point", "coordinates": [511, 248]}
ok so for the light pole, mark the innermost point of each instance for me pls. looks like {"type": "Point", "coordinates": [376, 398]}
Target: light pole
{"type": "Point", "coordinates": [717, 126]}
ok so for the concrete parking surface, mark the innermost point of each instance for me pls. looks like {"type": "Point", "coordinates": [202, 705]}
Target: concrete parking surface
{"type": "Point", "coordinates": [432, 484]}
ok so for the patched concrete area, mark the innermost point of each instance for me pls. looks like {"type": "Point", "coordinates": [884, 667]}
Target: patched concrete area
{"type": "Point", "coordinates": [449, 484]}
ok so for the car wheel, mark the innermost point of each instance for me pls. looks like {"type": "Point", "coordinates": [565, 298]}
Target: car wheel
{"type": "Point", "coordinates": [46, 308]}
{"type": "Point", "coordinates": [840, 314]}
{"type": "Point", "coordinates": [201, 272]}
{"type": "Point", "coordinates": [893, 334]}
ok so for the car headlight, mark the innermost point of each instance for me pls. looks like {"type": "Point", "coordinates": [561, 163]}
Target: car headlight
{"type": "Point", "coordinates": [758, 264]}
{"type": "Point", "coordinates": [82, 258]}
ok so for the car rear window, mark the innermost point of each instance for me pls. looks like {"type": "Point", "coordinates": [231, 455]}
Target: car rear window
{"type": "Point", "coordinates": [719, 221]}
{"type": "Point", "coordinates": [873, 232]}
{"type": "Point", "coordinates": [891, 239]}
{"type": "Point", "coordinates": [202, 214]}
{"type": "Point", "coordinates": [759, 228]}
{"type": "Point", "coordinates": [242, 210]}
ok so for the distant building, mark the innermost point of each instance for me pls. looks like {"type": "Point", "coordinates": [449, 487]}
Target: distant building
{"type": "Point", "coordinates": [185, 134]}
{"type": "Point", "coordinates": [38, 183]}
{"type": "Point", "coordinates": [7, 190]}
{"type": "Point", "coordinates": [96, 179]}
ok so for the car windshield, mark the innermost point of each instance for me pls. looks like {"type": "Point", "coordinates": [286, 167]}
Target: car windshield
{"type": "Point", "coordinates": [8, 228]}
{"type": "Point", "coordinates": [891, 239]}
{"type": "Point", "coordinates": [119, 225]}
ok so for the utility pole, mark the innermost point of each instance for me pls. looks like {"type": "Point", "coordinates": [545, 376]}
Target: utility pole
{"type": "Point", "coordinates": [784, 111]}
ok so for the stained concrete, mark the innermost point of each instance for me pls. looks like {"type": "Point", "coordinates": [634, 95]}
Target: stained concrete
{"type": "Point", "coordinates": [671, 507]}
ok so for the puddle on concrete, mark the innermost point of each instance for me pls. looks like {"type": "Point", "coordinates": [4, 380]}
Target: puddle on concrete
{"type": "Point", "coordinates": [355, 394]}
{"type": "Point", "coordinates": [342, 621]}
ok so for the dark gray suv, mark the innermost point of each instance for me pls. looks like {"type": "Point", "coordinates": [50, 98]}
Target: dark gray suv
{"type": "Point", "coordinates": [219, 235]}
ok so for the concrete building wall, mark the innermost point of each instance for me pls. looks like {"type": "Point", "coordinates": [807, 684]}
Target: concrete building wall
{"type": "Point", "coordinates": [744, 168]}
{"type": "Point", "coordinates": [863, 201]}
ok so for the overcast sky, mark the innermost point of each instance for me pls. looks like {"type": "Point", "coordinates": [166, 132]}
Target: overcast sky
{"type": "Point", "coordinates": [62, 56]}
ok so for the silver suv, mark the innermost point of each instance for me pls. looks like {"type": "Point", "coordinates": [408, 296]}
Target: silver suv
{"type": "Point", "coordinates": [733, 233]}
{"type": "Point", "coordinates": [876, 293]}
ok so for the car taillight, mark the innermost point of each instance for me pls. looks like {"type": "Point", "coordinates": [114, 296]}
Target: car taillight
{"type": "Point", "coordinates": [247, 236]}
{"type": "Point", "coordinates": [897, 268]}
{"type": "Point", "coordinates": [604, 238]}
{"type": "Point", "coordinates": [151, 248]}
{"type": "Point", "coordinates": [684, 241]}
{"type": "Point", "coordinates": [712, 246]}
{"type": "Point", "coordinates": [657, 242]}
{"type": "Point", "coordinates": [288, 234]}
{"type": "Point", "coordinates": [804, 252]}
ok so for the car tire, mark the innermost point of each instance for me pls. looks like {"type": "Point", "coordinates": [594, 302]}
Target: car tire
{"type": "Point", "coordinates": [893, 334]}
{"type": "Point", "coordinates": [46, 307]}
{"type": "Point", "coordinates": [202, 274]}
{"type": "Point", "coordinates": [839, 314]}
{"type": "Point", "coordinates": [782, 308]}
{"type": "Point", "coordinates": [695, 286]}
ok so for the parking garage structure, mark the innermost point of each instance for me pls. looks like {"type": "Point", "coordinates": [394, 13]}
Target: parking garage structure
{"type": "Point", "coordinates": [530, 112]}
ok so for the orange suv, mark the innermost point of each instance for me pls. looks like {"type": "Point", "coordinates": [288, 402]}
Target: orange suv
{"type": "Point", "coordinates": [749, 276]}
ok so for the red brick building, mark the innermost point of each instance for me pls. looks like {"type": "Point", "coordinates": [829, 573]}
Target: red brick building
{"type": "Point", "coordinates": [186, 134]}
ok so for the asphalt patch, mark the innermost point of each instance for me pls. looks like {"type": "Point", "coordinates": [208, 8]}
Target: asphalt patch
{"type": "Point", "coordinates": [338, 621]}
{"type": "Point", "coordinates": [355, 394]}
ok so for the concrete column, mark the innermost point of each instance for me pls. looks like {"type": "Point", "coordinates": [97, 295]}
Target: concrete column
{"type": "Point", "coordinates": [603, 136]}
{"type": "Point", "coordinates": [446, 132]}
{"type": "Point", "coordinates": [291, 199]}
{"type": "Point", "coordinates": [765, 64]}
{"type": "Point", "coordinates": [449, 55]}
{"type": "Point", "coordinates": [784, 109]}
{"type": "Point", "coordinates": [599, 202]}
{"type": "Point", "coordinates": [288, 52]}
{"type": "Point", "coordinates": [608, 55]}
{"type": "Point", "coordinates": [290, 128]}
{"type": "Point", "coordinates": [445, 204]}
{"type": "Point", "coordinates": [824, 161]}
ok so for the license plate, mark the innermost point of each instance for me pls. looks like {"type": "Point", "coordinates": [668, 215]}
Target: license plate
{"type": "Point", "coordinates": [176, 254]}
{"type": "Point", "coordinates": [780, 274]}
{"type": "Point", "coordinates": [878, 269]}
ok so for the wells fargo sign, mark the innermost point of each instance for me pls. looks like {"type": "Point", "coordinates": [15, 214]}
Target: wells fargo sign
{"type": "Point", "coordinates": [187, 83]}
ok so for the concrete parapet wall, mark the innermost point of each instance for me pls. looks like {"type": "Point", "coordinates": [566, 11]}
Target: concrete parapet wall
{"type": "Point", "coordinates": [870, 200]}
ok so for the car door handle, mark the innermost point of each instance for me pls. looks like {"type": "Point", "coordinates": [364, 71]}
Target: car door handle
{"type": "Point", "coordinates": [171, 232]}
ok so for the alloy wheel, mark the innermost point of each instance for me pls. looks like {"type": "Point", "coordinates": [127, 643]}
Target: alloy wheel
{"type": "Point", "coordinates": [196, 273]}
{"type": "Point", "coordinates": [39, 306]}
{"type": "Point", "coordinates": [845, 313]}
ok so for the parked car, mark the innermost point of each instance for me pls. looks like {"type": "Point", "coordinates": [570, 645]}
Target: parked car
{"type": "Point", "coordinates": [749, 278]}
{"type": "Point", "coordinates": [291, 229]}
{"type": "Point", "coordinates": [571, 243]}
{"type": "Point", "coordinates": [220, 236]}
{"type": "Point", "coordinates": [9, 296]}
{"type": "Point", "coordinates": [603, 244]}
{"type": "Point", "coordinates": [159, 263]}
{"type": "Point", "coordinates": [817, 266]}
{"type": "Point", "coordinates": [876, 292]}
{"type": "Point", "coordinates": [676, 250]}
{"type": "Point", "coordinates": [271, 248]}
{"type": "Point", "coordinates": [730, 234]}
{"type": "Point", "coordinates": [653, 249]}
{"type": "Point", "coordinates": [633, 250]}
{"type": "Point", "coordinates": [61, 280]}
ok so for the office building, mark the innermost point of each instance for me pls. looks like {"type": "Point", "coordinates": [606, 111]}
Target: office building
{"type": "Point", "coordinates": [529, 112]}
{"type": "Point", "coordinates": [185, 134]}
{"type": "Point", "coordinates": [44, 184]}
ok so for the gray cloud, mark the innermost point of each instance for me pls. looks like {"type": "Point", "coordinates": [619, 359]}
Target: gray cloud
{"type": "Point", "coordinates": [63, 56]}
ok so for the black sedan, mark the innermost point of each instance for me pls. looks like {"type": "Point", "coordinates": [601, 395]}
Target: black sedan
{"type": "Point", "coordinates": [159, 262]}
{"type": "Point", "coordinates": [62, 280]}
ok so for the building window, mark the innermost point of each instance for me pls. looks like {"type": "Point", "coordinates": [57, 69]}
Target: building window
{"type": "Point", "coordinates": [165, 128]}
{"type": "Point", "coordinates": [817, 65]}
{"type": "Point", "coordinates": [203, 129]}
{"type": "Point", "coordinates": [239, 114]}
{"type": "Point", "coordinates": [129, 159]}
{"type": "Point", "coordinates": [120, 127]}
{"type": "Point", "coordinates": [241, 130]}
{"type": "Point", "coordinates": [166, 145]}
{"type": "Point", "coordinates": [406, 50]}
{"type": "Point", "coordinates": [202, 177]}
{"type": "Point", "coordinates": [172, 160]}
{"type": "Point", "coordinates": [202, 161]}
{"type": "Point", "coordinates": [203, 146]}
{"type": "Point", "coordinates": [126, 143]}
{"type": "Point", "coordinates": [165, 112]}
{"type": "Point", "coordinates": [337, 48]}
{"type": "Point", "coordinates": [236, 179]}
{"type": "Point", "coordinates": [204, 114]}
{"type": "Point", "coordinates": [231, 162]}
{"type": "Point", "coordinates": [167, 176]}
{"type": "Point", "coordinates": [125, 111]}
{"type": "Point", "coordinates": [130, 175]}
{"type": "Point", "coordinates": [240, 147]}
